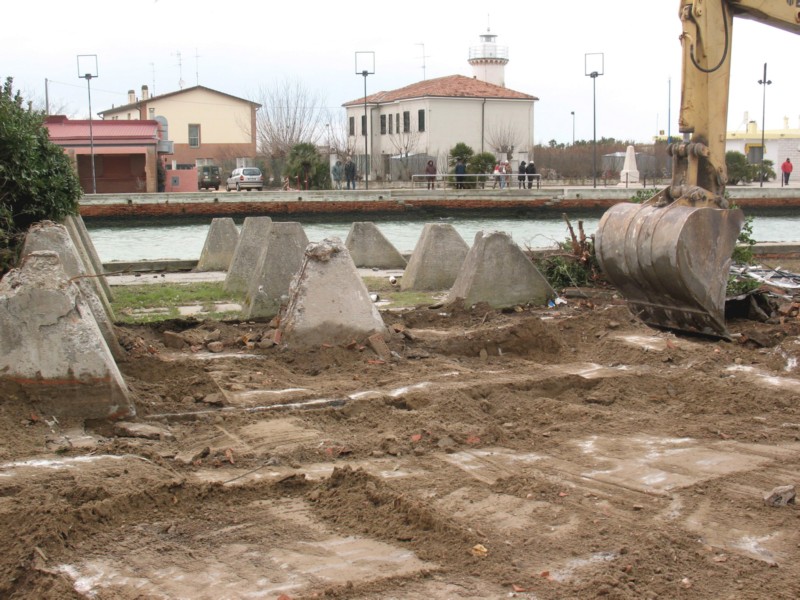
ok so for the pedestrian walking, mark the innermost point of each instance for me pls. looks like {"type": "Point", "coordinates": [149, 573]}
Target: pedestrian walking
{"type": "Point", "coordinates": [530, 170]}
{"type": "Point", "coordinates": [430, 175]}
{"type": "Point", "coordinates": [461, 172]}
{"type": "Point", "coordinates": [786, 169]}
{"type": "Point", "coordinates": [337, 171]}
{"type": "Point", "coordinates": [521, 175]}
{"type": "Point", "coordinates": [350, 173]}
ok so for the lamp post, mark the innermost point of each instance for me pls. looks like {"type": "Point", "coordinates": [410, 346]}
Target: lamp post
{"type": "Point", "coordinates": [365, 65]}
{"type": "Point", "coordinates": [593, 67]}
{"type": "Point", "coordinates": [573, 127]}
{"type": "Point", "coordinates": [87, 69]}
{"type": "Point", "coordinates": [763, 82]}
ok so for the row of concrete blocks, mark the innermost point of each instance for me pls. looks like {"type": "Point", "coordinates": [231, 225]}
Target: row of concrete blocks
{"type": "Point", "coordinates": [59, 349]}
{"type": "Point", "coordinates": [264, 259]}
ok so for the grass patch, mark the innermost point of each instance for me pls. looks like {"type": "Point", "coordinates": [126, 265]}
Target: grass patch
{"type": "Point", "coordinates": [131, 300]}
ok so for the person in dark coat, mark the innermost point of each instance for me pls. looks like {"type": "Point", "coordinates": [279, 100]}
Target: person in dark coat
{"type": "Point", "coordinates": [350, 173]}
{"type": "Point", "coordinates": [530, 170]}
{"type": "Point", "coordinates": [521, 175]}
{"type": "Point", "coordinates": [461, 171]}
{"type": "Point", "coordinates": [430, 175]}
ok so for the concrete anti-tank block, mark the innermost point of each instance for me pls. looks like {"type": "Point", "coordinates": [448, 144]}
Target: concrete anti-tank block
{"type": "Point", "coordinates": [369, 248]}
{"type": "Point", "coordinates": [497, 272]}
{"type": "Point", "coordinates": [88, 253]}
{"type": "Point", "coordinates": [437, 258]}
{"type": "Point", "coordinates": [47, 236]}
{"type": "Point", "coordinates": [220, 245]}
{"type": "Point", "coordinates": [251, 242]}
{"type": "Point", "coordinates": [328, 301]}
{"type": "Point", "coordinates": [51, 350]}
{"type": "Point", "coordinates": [280, 261]}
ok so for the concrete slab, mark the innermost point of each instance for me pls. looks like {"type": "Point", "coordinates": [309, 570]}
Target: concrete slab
{"type": "Point", "coordinates": [52, 352]}
{"type": "Point", "coordinates": [248, 250]}
{"type": "Point", "coordinates": [436, 260]}
{"type": "Point", "coordinates": [329, 303]}
{"type": "Point", "coordinates": [497, 272]}
{"type": "Point", "coordinates": [299, 563]}
{"type": "Point", "coordinates": [48, 236]}
{"type": "Point", "coordinates": [219, 246]}
{"type": "Point", "coordinates": [369, 248]}
{"type": "Point", "coordinates": [279, 262]}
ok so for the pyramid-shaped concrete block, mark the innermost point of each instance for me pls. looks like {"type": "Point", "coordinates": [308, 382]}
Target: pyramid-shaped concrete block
{"type": "Point", "coordinates": [251, 242]}
{"type": "Point", "coordinates": [280, 261]}
{"type": "Point", "coordinates": [437, 259]}
{"type": "Point", "coordinates": [51, 350]}
{"type": "Point", "coordinates": [497, 272]}
{"type": "Point", "coordinates": [88, 253]}
{"type": "Point", "coordinates": [47, 236]}
{"type": "Point", "coordinates": [369, 248]}
{"type": "Point", "coordinates": [328, 302]}
{"type": "Point", "coordinates": [220, 245]}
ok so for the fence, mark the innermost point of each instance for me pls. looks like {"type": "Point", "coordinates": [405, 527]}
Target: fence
{"type": "Point", "coordinates": [472, 180]}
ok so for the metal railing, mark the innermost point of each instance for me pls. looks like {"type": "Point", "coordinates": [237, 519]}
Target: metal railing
{"type": "Point", "coordinates": [476, 181]}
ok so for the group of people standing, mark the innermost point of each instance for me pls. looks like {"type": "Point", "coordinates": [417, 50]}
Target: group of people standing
{"type": "Point", "coordinates": [502, 174]}
{"type": "Point", "coordinates": [348, 170]}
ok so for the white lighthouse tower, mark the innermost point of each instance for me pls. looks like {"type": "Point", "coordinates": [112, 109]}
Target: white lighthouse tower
{"type": "Point", "coordinates": [489, 60]}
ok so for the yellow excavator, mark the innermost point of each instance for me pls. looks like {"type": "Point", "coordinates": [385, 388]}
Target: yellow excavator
{"type": "Point", "coordinates": [670, 256]}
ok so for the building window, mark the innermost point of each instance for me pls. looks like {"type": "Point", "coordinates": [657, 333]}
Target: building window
{"type": "Point", "coordinates": [352, 125]}
{"type": "Point", "coordinates": [397, 122]}
{"type": "Point", "coordinates": [383, 124]}
{"type": "Point", "coordinates": [391, 124]}
{"type": "Point", "coordinates": [194, 136]}
{"type": "Point", "coordinates": [421, 120]}
{"type": "Point", "coordinates": [363, 124]}
{"type": "Point", "coordinates": [406, 121]}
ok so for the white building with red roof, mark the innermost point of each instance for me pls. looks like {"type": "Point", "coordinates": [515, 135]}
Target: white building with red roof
{"type": "Point", "coordinates": [426, 119]}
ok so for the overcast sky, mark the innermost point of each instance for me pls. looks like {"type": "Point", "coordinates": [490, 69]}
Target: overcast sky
{"type": "Point", "coordinates": [239, 47]}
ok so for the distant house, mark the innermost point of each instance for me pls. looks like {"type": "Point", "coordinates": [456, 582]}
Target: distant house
{"type": "Point", "coordinates": [426, 119]}
{"type": "Point", "coordinates": [779, 144]}
{"type": "Point", "coordinates": [207, 127]}
{"type": "Point", "coordinates": [126, 153]}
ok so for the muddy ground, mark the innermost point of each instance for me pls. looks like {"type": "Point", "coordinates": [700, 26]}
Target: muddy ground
{"type": "Point", "coordinates": [539, 453]}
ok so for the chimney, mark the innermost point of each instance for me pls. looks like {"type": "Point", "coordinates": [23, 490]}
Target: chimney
{"type": "Point", "coordinates": [786, 122]}
{"type": "Point", "coordinates": [145, 93]}
{"type": "Point", "coordinates": [752, 127]}
{"type": "Point", "coordinates": [131, 96]}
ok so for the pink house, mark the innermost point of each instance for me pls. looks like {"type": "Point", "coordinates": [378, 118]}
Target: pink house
{"type": "Point", "coordinates": [126, 153]}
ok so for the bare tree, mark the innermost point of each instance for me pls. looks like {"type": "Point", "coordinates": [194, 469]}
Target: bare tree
{"type": "Point", "coordinates": [405, 143]}
{"type": "Point", "coordinates": [290, 114]}
{"type": "Point", "coordinates": [341, 143]}
{"type": "Point", "coordinates": [503, 138]}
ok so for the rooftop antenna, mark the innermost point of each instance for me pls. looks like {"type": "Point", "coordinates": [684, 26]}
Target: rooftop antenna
{"type": "Point", "coordinates": [424, 56]}
{"type": "Point", "coordinates": [196, 67]}
{"type": "Point", "coordinates": [153, 71]}
{"type": "Point", "coordinates": [181, 82]}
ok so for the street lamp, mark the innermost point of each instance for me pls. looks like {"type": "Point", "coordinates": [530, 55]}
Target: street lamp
{"type": "Point", "coordinates": [573, 127]}
{"type": "Point", "coordinates": [593, 67]}
{"type": "Point", "coordinates": [365, 65]}
{"type": "Point", "coordinates": [87, 69]}
{"type": "Point", "coordinates": [765, 82]}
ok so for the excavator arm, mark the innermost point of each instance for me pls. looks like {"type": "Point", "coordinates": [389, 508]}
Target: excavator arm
{"type": "Point", "coordinates": [670, 256]}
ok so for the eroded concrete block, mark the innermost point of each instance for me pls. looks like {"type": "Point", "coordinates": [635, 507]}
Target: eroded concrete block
{"type": "Point", "coordinates": [279, 262]}
{"type": "Point", "coordinates": [220, 245]}
{"type": "Point", "coordinates": [47, 236]}
{"type": "Point", "coordinates": [328, 301]}
{"type": "Point", "coordinates": [369, 248]}
{"type": "Point", "coordinates": [437, 259]}
{"type": "Point", "coordinates": [629, 173]}
{"type": "Point", "coordinates": [88, 253]}
{"type": "Point", "coordinates": [52, 352]}
{"type": "Point", "coordinates": [497, 272]}
{"type": "Point", "coordinates": [251, 242]}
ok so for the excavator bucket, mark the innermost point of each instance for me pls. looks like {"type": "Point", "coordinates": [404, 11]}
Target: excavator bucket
{"type": "Point", "coordinates": [670, 263]}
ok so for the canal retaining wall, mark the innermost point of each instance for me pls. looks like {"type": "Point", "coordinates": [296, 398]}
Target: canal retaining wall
{"type": "Point", "coordinates": [391, 201]}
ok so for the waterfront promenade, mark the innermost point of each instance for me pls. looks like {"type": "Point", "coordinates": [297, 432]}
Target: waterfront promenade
{"type": "Point", "coordinates": [398, 200]}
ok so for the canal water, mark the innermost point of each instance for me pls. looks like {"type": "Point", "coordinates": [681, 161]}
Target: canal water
{"type": "Point", "coordinates": [184, 239]}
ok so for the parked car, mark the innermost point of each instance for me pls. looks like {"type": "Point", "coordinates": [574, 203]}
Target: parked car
{"type": "Point", "coordinates": [245, 178]}
{"type": "Point", "coordinates": [208, 177]}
